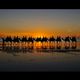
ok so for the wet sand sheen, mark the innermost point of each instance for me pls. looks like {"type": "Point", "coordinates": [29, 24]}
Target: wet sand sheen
{"type": "Point", "coordinates": [49, 57]}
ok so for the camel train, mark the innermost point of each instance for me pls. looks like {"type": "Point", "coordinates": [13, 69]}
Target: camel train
{"type": "Point", "coordinates": [25, 39]}
{"type": "Point", "coordinates": [16, 39]}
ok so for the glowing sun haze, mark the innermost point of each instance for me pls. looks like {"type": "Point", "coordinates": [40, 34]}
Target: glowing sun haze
{"type": "Point", "coordinates": [37, 22]}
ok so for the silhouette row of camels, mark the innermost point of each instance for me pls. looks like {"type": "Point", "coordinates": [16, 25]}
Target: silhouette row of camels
{"type": "Point", "coordinates": [38, 39]}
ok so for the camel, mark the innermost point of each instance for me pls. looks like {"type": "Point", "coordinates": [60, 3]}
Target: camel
{"type": "Point", "coordinates": [24, 39]}
{"type": "Point", "coordinates": [38, 39]}
{"type": "Point", "coordinates": [16, 39]}
{"type": "Point", "coordinates": [52, 39]}
{"type": "Point", "coordinates": [7, 39]}
{"type": "Point", "coordinates": [67, 42]}
{"type": "Point", "coordinates": [3, 40]}
{"type": "Point", "coordinates": [58, 39]}
{"type": "Point", "coordinates": [30, 39]}
{"type": "Point", "coordinates": [66, 39]}
{"type": "Point", "coordinates": [73, 39]}
{"type": "Point", "coordinates": [44, 39]}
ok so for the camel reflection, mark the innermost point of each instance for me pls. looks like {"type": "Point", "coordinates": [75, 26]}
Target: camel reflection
{"type": "Point", "coordinates": [74, 45]}
{"type": "Point", "coordinates": [58, 45]}
{"type": "Point", "coordinates": [38, 46]}
{"type": "Point", "coordinates": [67, 46]}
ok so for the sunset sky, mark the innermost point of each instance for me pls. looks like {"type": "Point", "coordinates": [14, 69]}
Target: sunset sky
{"type": "Point", "coordinates": [37, 22]}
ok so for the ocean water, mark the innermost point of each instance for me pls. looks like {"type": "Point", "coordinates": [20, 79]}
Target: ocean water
{"type": "Point", "coordinates": [40, 57]}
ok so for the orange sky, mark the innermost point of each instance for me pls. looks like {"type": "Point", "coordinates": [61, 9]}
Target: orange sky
{"type": "Point", "coordinates": [38, 23]}
{"type": "Point", "coordinates": [38, 34]}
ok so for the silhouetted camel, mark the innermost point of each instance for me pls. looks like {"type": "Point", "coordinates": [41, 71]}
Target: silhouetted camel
{"type": "Point", "coordinates": [30, 39]}
{"type": "Point", "coordinates": [7, 39]}
{"type": "Point", "coordinates": [66, 39]}
{"type": "Point", "coordinates": [73, 39]}
{"type": "Point", "coordinates": [3, 40]}
{"type": "Point", "coordinates": [24, 39]}
{"type": "Point", "coordinates": [58, 39]}
{"type": "Point", "coordinates": [44, 39]}
{"type": "Point", "coordinates": [38, 39]}
{"type": "Point", "coordinates": [52, 39]}
{"type": "Point", "coordinates": [16, 39]}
